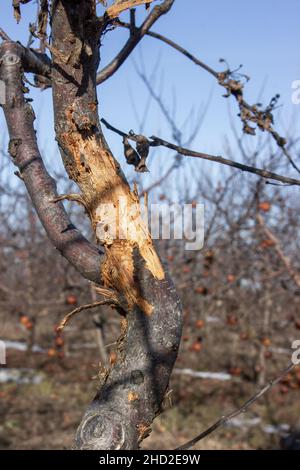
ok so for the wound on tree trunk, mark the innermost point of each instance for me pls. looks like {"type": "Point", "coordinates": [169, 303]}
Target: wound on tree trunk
{"type": "Point", "coordinates": [132, 391]}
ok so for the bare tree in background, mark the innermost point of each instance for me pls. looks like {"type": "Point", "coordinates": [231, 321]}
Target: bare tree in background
{"type": "Point", "coordinates": [128, 270]}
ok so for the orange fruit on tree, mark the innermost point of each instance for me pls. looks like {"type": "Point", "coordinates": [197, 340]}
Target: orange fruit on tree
{"type": "Point", "coordinates": [51, 352]}
{"type": "Point", "coordinates": [266, 342]}
{"type": "Point", "coordinates": [71, 299]}
{"type": "Point", "coordinates": [196, 346]}
{"type": "Point", "coordinates": [24, 319]}
{"type": "Point", "coordinates": [264, 206]}
{"type": "Point", "coordinates": [59, 341]}
{"type": "Point", "coordinates": [199, 324]}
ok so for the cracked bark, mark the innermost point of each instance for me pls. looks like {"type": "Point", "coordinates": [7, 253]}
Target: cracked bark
{"type": "Point", "coordinates": [132, 391]}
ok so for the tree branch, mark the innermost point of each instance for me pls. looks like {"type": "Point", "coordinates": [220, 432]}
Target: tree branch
{"type": "Point", "coordinates": [248, 113]}
{"type": "Point", "coordinates": [67, 318]}
{"type": "Point", "coordinates": [42, 189]}
{"type": "Point", "coordinates": [157, 141]}
{"type": "Point", "coordinates": [242, 409]}
{"type": "Point", "coordinates": [175, 46]}
{"type": "Point", "coordinates": [4, 36]}
{"type": "Point", "coordinates": [32, 61]}
{"type": "Point", "coordinates": [133, 41]}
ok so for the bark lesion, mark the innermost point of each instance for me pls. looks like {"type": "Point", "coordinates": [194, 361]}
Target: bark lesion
{"type": "Point", "coordinates": [92, 166]}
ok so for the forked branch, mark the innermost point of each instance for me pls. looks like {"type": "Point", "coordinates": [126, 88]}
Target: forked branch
{"type": "Point", "coordinates": [134, 40]}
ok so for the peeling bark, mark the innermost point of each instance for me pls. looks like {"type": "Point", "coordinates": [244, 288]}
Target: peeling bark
{"type": "Point", "coordinates": [121, 5]}
{"type": "Point", "coordinates": [87, 158]}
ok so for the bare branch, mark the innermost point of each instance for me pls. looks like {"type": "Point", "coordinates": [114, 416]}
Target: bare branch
{"type": "Point", "coordinates": [32, 61]}
{"type": "Point", "coordinates": [41, 187]}
{"type": "Point", "coordinates": [4, 35]}
{"type": "Point", "coordinates": [70, 315]}
{"type": "Point", "coordinates": [133, 41]}
{"type": "Point", "coordinates": [242, 409]}
{"type": "Point", "coordinates": [157, 141]}
{"type": "Point", "coordinates": [175, 46]}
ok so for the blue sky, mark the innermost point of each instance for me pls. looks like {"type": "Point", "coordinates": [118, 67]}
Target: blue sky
{"type": "Point", "coordinates": [262, 35]}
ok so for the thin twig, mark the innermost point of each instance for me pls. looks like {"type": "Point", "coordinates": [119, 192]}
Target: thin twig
{"type": "Point", "coordinates": [233, 414]}
{"type": "Point", "coordinates": [225, 161]}
{"type": "Point", "coordinates": [4, 35]}
{"type": "Point", "coordinates": [68, 317]}
{"type": "Point", "coordinates": [157, 141]}
{"type": "Point", "coordinates": [175, 46]}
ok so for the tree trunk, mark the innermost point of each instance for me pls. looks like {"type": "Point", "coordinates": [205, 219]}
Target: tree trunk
{"type": "Point", "coordinates": [132, 391]}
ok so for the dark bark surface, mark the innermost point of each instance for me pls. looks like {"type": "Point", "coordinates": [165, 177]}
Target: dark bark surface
{"type": "Point", "coordinates": [41, 187]}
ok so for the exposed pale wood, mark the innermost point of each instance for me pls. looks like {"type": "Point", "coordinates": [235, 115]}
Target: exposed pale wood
{"type": "Point", "coordinates": [121, 5]}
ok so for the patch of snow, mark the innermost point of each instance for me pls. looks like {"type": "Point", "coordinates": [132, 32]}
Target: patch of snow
{"type": "Point", "coordinates": [204, 375]}
{"type": "Point", "coordinates": [20, 376]}
{"type": "Point", "coordinates": [20, 346]}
